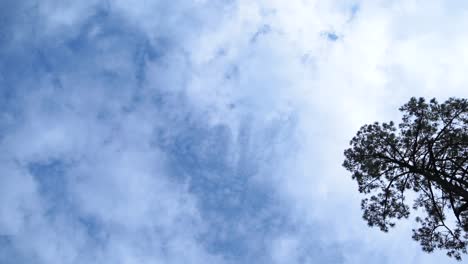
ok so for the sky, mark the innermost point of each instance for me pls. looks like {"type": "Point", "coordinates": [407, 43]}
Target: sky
{"type": "Point", "coordinates": [196, 131]}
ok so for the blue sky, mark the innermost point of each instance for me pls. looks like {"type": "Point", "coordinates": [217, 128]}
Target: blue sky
{"type": "Point", "coordinates": [195, 131]}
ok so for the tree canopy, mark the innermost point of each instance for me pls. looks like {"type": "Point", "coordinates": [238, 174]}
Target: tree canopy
{"type": "Point", "coordinates": [423, 159]}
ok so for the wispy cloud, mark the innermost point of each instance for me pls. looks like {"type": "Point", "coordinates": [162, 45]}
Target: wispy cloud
{"type": "Point", "coordinates": [206, 131]}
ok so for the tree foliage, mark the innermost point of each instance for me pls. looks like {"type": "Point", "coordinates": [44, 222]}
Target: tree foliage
{"type": "Point", "coordinates": [424, 159]}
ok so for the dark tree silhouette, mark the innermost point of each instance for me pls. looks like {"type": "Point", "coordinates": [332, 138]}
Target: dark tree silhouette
{"type": "Point", "coordinates": [425, 159]}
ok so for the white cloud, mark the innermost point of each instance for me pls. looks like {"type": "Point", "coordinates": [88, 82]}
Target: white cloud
{"type": "Point", "coordinates": [267, 64]}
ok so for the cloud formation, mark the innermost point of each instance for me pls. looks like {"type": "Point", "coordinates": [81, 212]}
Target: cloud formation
{"type": "Point", "coordinates": [207, 131]}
